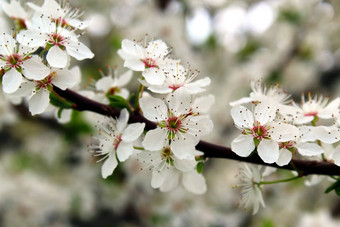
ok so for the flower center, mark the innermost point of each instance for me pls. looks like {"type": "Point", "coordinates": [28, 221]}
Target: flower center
{"type": "Point", "coordinates": [46, 82]}
{"type": "Point", "coordinates": [14, 61]}
{"type": "Point", "coordinates": [259, 132]}
{"type": "Point", "coordinates": [113, 91]}
{"type": "Point", "coordinates": [149, 63]}
{"type": "Point", "coordinates": [313, 113]}
{"type": "Point", "coordinates": [167, 155]}
{"type": "Point", "coordinates": [287, 145]}
{"type": "Point", "coordinates": [60, 21]}
{"type": "Point", "coordinates": [57, 39]}
{"type": "Point", "coordinates": [174, 87]}
{"type": "Point", "coordinates": [174, 124]}
{"type": "Point", "coordinates": [116, 141]}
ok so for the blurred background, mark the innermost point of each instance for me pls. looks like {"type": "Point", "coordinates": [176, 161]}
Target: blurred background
{"type": "Point", "coordinates": [48, 177]}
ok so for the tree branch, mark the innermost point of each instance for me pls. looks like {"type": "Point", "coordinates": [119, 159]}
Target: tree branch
{"type": "Point", "coordinates": [210, 150]}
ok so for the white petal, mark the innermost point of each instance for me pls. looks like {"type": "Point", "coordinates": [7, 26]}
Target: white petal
{"type": "Point", "coordinates": [194, 182]}
{"type": "Point", "coordinates": [122, 120]}
{"type": "Point", "coordinates": [336, 156]}
{"type": "Point", "coordinates": [155, 140]}
{"type": "Point", "coordinates": [133, 131]}
{"type": "Point", "coordinates": [11, 81]}
{"type": "Point", "coordinates": [159, 175]}
{"type": "Point", "coordinates": [331, 109]}
{"type": "Point", "coordinates": [65, 79]}
{"type": "Point", "coordinates": [282, 132]}
{"type": "Point", "coordinates": [243, 145]}
{"type": "Point", "coordinates": [184, 165]}
{"type": "Point", "coordinates": [284, 158]}
{"type": "Point", "coordinates": [153, 109]}
{"type": "Point", "coordinates": [109, 165]}
{"type": "Point", "coordinates": [303, 120]}
{"type": "Point", "coordinates": [203, 104]}
{"type": "Point", "coordinates": [124, 151]}
{"type": "Point", "coordinates": [104, 83]}
{"type": "Point", "coordinates": [34, 69]}
{"type": "Point", "coordinates": [134, 64]}
{"type": "Point", "coordinates": [242, 117]}
{"type": "Point", "coordinates": [32, 38]}
{"type": "Point", "coordinates": [132, 49]}
{"type": "Point", "coordinates": [196, 87]}
{"type": "Point", "coordinates": [264, 113]}
{"type": "Point", "coordinates": [57, 57]}
{"type": "Point", "coordinates": [125, 78]}
{"type": "Point", "coordinates": [179, 102]}
{"type": "Point", "coordinates": [38, 103]}
{"type": "Point", "coordinates": [268, 151]}
{"type": "Point", "coordinates": [241, 101]}
{"type": "Point", "coordinates": [7, 45]}
{"type": "Point", "coordinates": [171, 180]}
{"type": "Point", "coordinates": [183, 149]}
{"type": "Point", "coordinates": [157, 48]}
{"type": "Point", "coordinates": [79, 51]}
{"type": "Point", "coordinates": [309, 149]}
{"type": "Point", "coordinates": [154, 76]}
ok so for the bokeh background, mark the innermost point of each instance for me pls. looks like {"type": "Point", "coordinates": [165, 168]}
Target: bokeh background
{"type": "Point", "coordinates": [48, 177]}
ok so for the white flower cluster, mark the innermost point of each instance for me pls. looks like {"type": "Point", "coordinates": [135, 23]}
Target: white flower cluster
{"type": "Point", "coordinates": [278, 128]}
{"type": "Point", "coordinates": [37, 55]}
{"type": "Point", "coordinates": [181, 119]}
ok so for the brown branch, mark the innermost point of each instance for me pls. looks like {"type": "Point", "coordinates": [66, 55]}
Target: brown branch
{"type": "Point", "coordinates": [210, 150]}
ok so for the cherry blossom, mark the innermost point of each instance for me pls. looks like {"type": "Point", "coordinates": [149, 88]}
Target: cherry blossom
{"type": "Point", "coordinates": [115, 141]}
{"type": "Point", "coordinates": [176, 124]}
{"type": "Point", "coordinates": [58, 41]}
{"type": "Point", "coordinates": [251, 195]}
{"type": "Point", "coordinates": [315, 107]}
{"type": "Point", "coordinates": [16, 12]}
{"type": "Point", "coordinates": [152, 60]}
{"type": "Point", "coordinates": [65, 15]}
{"type": "Point", "coordinates": [176, 76]}
{"type": "Point", "coordinates": [168, 171]}
{"type": "Point", "coordinates": [113, 84]}
{"type": "Point", "coordinates": [17, 62]}
{"type": "Point", "coordinates": [260, 127]}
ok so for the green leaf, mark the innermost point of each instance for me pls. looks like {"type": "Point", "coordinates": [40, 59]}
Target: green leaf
{"type": "Point", "coordinates": [59, 112]}
{"type": "Point", "coordinates": [118, 102]}
{"type": "Point", "coordinates": [199, 167]}
{"type": "Point", "coordinates": [335, 186]}
{"type": "Point", "coordinates": [58, 102]}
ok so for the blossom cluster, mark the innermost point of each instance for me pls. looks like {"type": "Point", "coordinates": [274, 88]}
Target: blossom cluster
{"type": "Point", "coordinates": [181, 118]}
{"type": "Point", "coordinates": [37, 55]}
{"type": "Point", "coordinates": [279, 128]}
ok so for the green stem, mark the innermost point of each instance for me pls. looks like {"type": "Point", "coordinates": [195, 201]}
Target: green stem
{"type": "Point", "coordinates": [138, 148]}
{"type": "Point", "coordinates": [140, 88]}
{"type": "Point", "coordinates": [278, 181]}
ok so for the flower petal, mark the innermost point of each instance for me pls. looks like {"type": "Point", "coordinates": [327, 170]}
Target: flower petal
{"type": "Point", "coordinates": [122, 120]}
{"type": "Point", "coordinates": [153, 109]}
{"type": "Point", "coordinates": [11, 81]}
{"type": "Point", "coordinates": [268, 151]}
{"type": "Point", "coordinates": [243, 145]}
{"type": "Point", "coordinates": [282, 132]}
{"type": "Point", "coordinates": [194, 182]}
{"type": "Point", "coordinates": [65, 79]}
{"type": "Point", "coordinates": [154, 76]}
{"type": "Point", "coordinates": [124, 151]}
{"type": "Point", "coordinates": [183, 149]}
{"type": "Point", "coordinates": [109, 165]}
{"type": "Point", "coordinates": [38, 103]}
{"type": "Point", "coordinates": [284, 157]}
{"type": "Point", "coordinates": [132, 132]}
{"type": "Point", "coordinates": [309, 149]}
{"type": "Point", "coordinates": [336, 156]}
{"type": "Point", "coordinates": [171, 180]}
{"type": "Point", "coordinates": [155, 140]}
{"type": "Point", "coordinates": [159, 174]}
{"type": "Point", "coordinates": [264, 113]}
{"type": "Point", "coordinates": [57, 57]}
{"type": "Point", "coordinates": [34, 69]}
{"type": "Point", "coordinates": [242, 117]}
{"type": "Point", "coordinates": [79, 51]}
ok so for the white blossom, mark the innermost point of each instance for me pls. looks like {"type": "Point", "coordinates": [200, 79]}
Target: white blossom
{"type": "Point", "coordinates": [152, 60]}
{"type": "Point", "coordinates": [60, 42]}
{"type": "Point", "coordinates": [315, 107]}
{"type": "Point", "coordinates": [116, 139]}
{"type": "Point", "coordinates": [251, 195]}
{"type": "Point", "coordinates": [15, 59]}
{"type": "Point", "coordinates": [262, 128]}
{"type": "Point", "coordinates": [176, 124]}
{"type": "Point", "coordinates": [168, 171]}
